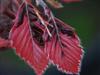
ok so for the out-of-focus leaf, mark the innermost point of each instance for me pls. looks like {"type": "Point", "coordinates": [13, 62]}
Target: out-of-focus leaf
{"type": "Point", "coordinates": [55, 3]}
{"type": "Point", "coordinates": [4, 43]}
{"type": "Point", "coordinates": [69, 1]}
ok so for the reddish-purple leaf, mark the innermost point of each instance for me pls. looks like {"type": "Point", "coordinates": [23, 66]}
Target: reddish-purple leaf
{"type": "Point", "coordinates": [26, 45]}
{"type": "Point", "coordinates": [64, 50]}
{"type": "Point", "coordinates": [38, 37]}
{"type": "Point", "coordinates": [4, 43]}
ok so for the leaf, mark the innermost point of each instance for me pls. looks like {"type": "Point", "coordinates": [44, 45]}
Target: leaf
{"type": "Point", "coordinates": [4, 43]}
{"type": "Point", "coordinates": [64, 50]}
{"type": "Point", "coordinates": [25, 44]}
{"type": "Point", "coordinates": [69, 1]}
{"type": "Point", "coordinates": [29, 1]}
{"type": "Point", "coordinates": [55, 3]}
{"type": "Point", "coordinates": [39, 38]}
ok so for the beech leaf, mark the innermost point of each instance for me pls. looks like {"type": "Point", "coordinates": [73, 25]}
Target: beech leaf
{"type": "Point", "coordinates": [25, 45]}
{"type": "Point", "coordinates": [64, 50]}
{"type": "Point", "coordinates": [40, 38]}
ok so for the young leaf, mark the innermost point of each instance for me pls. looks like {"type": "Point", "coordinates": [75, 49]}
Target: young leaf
{"type": "Point", "coordinates": [25, 44]}
{"type": "Point", "coordinates": [64, 49]}
{"type": "Point", "coordinates": [38, 37]}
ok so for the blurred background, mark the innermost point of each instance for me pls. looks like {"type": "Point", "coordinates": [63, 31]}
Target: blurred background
{"type": "Point", "coordinates": [84, 17]}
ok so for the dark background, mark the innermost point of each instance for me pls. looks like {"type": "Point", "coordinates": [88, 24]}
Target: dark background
{"type": "Point", "coordinates": [84, 17]}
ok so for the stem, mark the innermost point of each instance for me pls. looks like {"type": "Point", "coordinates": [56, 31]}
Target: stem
{"type": "Point", "coordinates": [43, 22]}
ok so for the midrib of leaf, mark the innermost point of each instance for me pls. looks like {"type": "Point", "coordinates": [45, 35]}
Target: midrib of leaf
{"type": "Point", "coordinates": [27, 13]}
{"type": "Point", "coordinates": [57, 32]}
